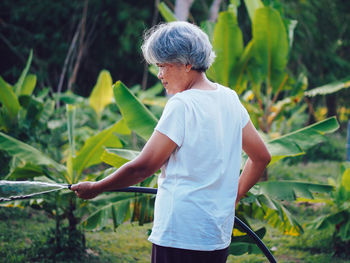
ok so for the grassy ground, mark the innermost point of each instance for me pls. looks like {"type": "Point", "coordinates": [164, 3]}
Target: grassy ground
{"type": "Point", "coordinates": [22, 229]}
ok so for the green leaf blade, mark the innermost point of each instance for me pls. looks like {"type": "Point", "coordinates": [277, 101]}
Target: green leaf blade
{"type": "Point", "coordinates": [102, 93]}
{"type": "Point", "coordinates": [297, 142]}
{"type": "Point", "coordinates": [93, 148]}
{"type": "Point", "coordinates": [138, 118]}
{"type": "Point", "coordinates": [166, 13]}
{"type": "Point", "coordinates": [228, 46]}
{"type": "Point", "coordinates": [26, 152]}
{"type": "Point", "coordinates": [118, 157]}
{"type": "Point", "coordinates": [20, 81]}
{"type": "Point", "coordinates": [270, 44]}
{"type": "Point", "coordinates": [28, 85]}
{"type": "Point", "coordinates": [9, 99]}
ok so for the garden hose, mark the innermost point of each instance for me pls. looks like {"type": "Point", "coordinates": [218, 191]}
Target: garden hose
{"type": "Point", "coordinates": [240, 223]}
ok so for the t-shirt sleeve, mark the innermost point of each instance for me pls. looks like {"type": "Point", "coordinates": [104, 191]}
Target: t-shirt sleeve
{"type": "Point", "coordinates": [244, 115]}
{"type": "Point", "coordinates": [243, 111]}
{"type": "Point", "coordinates": [172, 121]}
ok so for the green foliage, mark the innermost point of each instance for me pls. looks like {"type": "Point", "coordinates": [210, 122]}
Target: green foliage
{"type": "Point", "coordinates": [270, 47]}
{"type": "Point", "coordinates": [329, 88]}
{"type": "Point", "coordinates": [26, 152]}
{"type": "Point", "coordinates": [294, 143]}
{"type": "Point", "coordinates": [252, 6]}
{"type": "Point", "coordinates": [321, 45]}
{"type": "Point", "coordinates": [22, 114]}
{"type": "Point", "coordinates": [9, 99]}
{"type": "Point", "coordinates": [34, 163]}
{"type": "Point", "coordinates": [242, 244]}
{"type": "Point", "coordinates": [102, 93]}
{"type": "Point", "coordinates": [137, 116]}
{"type": "Point", "coordinates": [93, 148]}
{"type": "Point", "coordinates": [166, 12]}
{"type": "Point", "coordinates": [338, 219]}
{"type": "Point", "coordinates": [228, 46]}
{"type": "Point", "coordinates": [258, 70]}
{"type": "Point", "coordinates": [69, 247]}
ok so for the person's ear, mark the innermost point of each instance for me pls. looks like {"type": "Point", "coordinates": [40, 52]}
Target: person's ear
{"type": "Point", "coordinates": [188, 67]}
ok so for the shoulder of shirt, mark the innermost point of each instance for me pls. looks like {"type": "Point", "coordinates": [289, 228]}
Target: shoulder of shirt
{"type": "Point", "coordinates": [176, 101]}
{"type": "Point", "coordinates": [178, 97]}
{"type": "Point", "coordinates": [227, 90]}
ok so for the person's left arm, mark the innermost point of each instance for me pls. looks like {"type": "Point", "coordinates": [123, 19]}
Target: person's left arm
{"type": "Point", "coordinates": [154, 154]}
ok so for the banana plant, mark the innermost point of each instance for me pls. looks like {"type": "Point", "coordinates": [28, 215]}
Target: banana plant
{"type": "Point", "coordinates": [15, 99]}
{"type": "Point", "coordinates": [259, 69]}
{"type": "Point", "coordinates": [22, 114]}
{"type": "Point", "coordinates": [337, 220]}
{"type": "Point", "coordinates": [256, 70]}
{"type": "Point", "coordinates": [37, 164]}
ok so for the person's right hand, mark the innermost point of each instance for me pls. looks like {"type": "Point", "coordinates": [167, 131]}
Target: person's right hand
{"type": "Point", "coordinates": [86, 190]}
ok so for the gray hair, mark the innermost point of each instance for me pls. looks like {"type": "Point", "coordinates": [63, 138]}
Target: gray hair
{"type": "Point", "coordinates": [178, 42]}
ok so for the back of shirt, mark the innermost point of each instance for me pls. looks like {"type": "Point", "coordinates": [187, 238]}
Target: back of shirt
{"type": "Point", "coordinates": [198, 186]}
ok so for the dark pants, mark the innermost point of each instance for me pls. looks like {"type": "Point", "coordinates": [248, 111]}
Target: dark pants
{"type": "Point", "coordinates": [176, 255]}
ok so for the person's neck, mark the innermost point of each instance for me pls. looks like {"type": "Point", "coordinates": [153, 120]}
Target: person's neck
{"type": "Point", "coordinates": [200, 81]}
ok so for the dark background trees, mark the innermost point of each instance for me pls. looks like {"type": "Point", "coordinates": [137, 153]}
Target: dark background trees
{"type": "Point", "coordinates": [109, 33]}
{"type": "Point", "coordinates": [109, 38]}
{"type": "Point", "coordinates": [321, 44]}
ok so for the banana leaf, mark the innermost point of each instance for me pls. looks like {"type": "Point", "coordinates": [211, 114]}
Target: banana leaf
{"type": "Point", "coordinates": [18, 88]}
{"type": "Point", "coordinates": [244, 244]}
{"type": "Point", "coordinates": [118, 207]}
{"type": "Point", "coordinates": [118, 211]}
{"type": "Point", "coordinates": [27, 153]}
{"type": "Point", "coordinates": [238, 77]}
{"type": "Point", "coordinates": [28, 85]}
{"type": "Point", "coordinates": [270, 45]}
{"type": "Point", "coordinates": [28, 171]}
{"type": "Point", "coordinates": [252, 6]}
{"type": "Point", "coordinates": [289, 190]}
{"type": "Point", "coordinates": [166, 13]}
{"type": "Point", "coordinates": [102, 93]}
{"type": "Point", "coordinates": [268, 210]}
{"type": "Point", "coordinates": [93, 148]}
{"type": "Point", "coordinates": [329, 88]}
{"type": "Point", "coordinates": [9, 99]}
{"type": "Point", "coordinates": [138, 118]}
{"type": "Point", "coordinates": [297, 142]}
{"type": "Point", "coordinates": [264, 202]}
{"type": "Point", "coordinates": [117, 157]}
{"type": "Point", "coordinates": [345, 181]}
{"type": "Point", "coordinates": [228, 47]}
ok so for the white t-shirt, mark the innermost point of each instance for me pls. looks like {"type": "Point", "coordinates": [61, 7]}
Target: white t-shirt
{"type": "Point", "coordinates": [197, 189]}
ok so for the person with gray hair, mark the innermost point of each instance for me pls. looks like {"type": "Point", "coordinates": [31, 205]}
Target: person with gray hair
{"type": "Point", "coordinates": [197, 144]}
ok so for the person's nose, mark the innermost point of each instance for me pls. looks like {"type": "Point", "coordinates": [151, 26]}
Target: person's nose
{"type": "Point", "coordinates": [160, 74]}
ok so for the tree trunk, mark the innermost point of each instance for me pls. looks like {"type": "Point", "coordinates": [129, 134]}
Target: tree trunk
{"type": "Point", "coordinates": [182, 9]}
{"type": "Point", "coordinates": [214, 10]}
{"type": "Point", "coordinates": [82, 46]}
{"type": "Point", "coordinates": [71, 217]}
{"type": "Point", "coordinates": [145, 67]}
